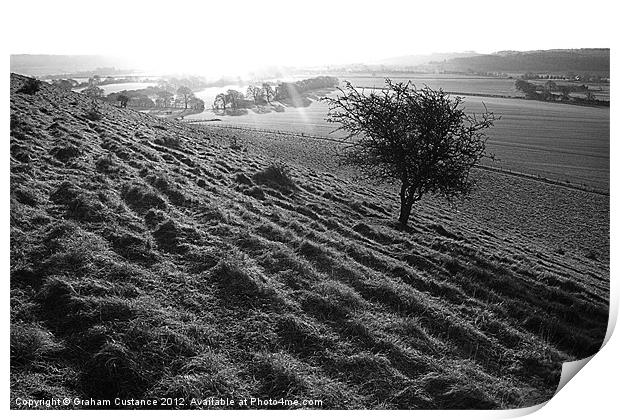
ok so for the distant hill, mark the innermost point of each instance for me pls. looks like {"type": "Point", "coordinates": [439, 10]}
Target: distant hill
{"type": "Point", "coordinates": [48, 64]}
{"type": "Point", "coordinates": [418, 60]}
{"type": "Point", "coordinates": [582, 60]}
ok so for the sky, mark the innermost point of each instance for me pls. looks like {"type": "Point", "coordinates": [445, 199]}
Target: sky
{"type": "Point", "coordinates": [198, 36]}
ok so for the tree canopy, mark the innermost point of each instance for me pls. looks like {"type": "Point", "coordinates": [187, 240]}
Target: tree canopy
{"type": "Point", "coordinates": [420, 138]}
{"type": "Point", "coordinates": [185, 93]}
{"type": "Point", "coordinates": [93, 92]}
{"type": "Point", "coordinates": [123, 99]}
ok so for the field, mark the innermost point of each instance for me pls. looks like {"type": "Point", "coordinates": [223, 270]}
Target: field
{"type": "Point", "coordinates": [151, 259]}
{"type": "Point", "coordinates": [117, 87]}
{"type": "Point", "coordinates": [460, 84]}
{"type": "Point", "coordinates": [557, 141]}
{"type": "Point", "coordinates": [556, 218]}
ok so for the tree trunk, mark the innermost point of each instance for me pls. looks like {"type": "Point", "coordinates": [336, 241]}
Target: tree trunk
{"type": "Point", "coordinates": [405, 211]}
{"type": "Point", "coordinates": [406, 203]}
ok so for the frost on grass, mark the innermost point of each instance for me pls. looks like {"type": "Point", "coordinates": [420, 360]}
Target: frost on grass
{"type": "Point", "coordinates": [146, 261]}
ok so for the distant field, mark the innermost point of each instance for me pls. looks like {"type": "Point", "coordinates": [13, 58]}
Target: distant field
{"type": "Point", "coordinates": [449, 83]}
{"type": "Point", "coordinates": [118, 87]}
{"type": "Point", "coordinates": [557, 141]}
{"type": "Point", "coordinates": [464, 84]}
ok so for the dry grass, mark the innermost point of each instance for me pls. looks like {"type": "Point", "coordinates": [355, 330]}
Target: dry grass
{"type": "Point", "coordinates": [194, 269]}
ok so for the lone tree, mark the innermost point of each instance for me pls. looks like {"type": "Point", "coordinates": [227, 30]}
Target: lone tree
{"type": "Point", "coordinates": [420, 138]}
{"type": "Point", "coordinates": [268, 92]}
{"type": "Point", "coordinates": [221, 100]}
{"type": "Point", "coordinates": [185, 93]}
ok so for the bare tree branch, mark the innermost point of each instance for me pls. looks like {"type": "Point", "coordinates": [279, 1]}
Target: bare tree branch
{"type": "Point", "coordinates": [421, 138]}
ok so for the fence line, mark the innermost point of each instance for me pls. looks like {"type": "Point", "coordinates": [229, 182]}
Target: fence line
{"type": "Point", "coordinates": [509, 172]}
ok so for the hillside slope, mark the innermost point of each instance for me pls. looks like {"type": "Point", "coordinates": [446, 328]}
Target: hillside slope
{"type": "Point", "coordinates": [152, 259]}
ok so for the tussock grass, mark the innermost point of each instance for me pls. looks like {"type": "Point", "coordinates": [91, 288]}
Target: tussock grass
{"type": "Point", "coordinates": [167, 141]}
{"type": "Point", "coordinates": [242, 178]}
{"type": "Point", "coordinates": [93, 114]}
{"type": "Point", "coordinates": [132, 246]}
{"type": "Point", "coordinates": [341, 293]}
{"type": "Point", "coordinates": [165, 185]}
{"type": "Point", "coordinates": [324, 308]}
{"type": "Point", "coordinates": [173, 237]}
{"type": "Point", "coordinates": [302, 336]}
{"type": "Point", "coordinates": [459, 396]}
{"type": "Point", "coordinates": [141, 198]}
{"type": "Point", "coordinates": [276, 176]}
{"type": "Point", "coordinates": [241, 283]}
{"type": "Point", "coordinates": [255, 192]}
{"type": "Point", "coordinates": [112, 371]}
{"type": "Point", "coordinates": [30, 86]}
{"type": "Point", "coordinates": [314, 253]}
{"type": "Point", "coordinates": [66, 153]}
{"type": "Point", "coordinates": [32, 344]}
{"type": "Point", "coordinates": [106, 164]}
{"type": "Point", "coordinates": [236, 280]}
{"type": "Point", "coordinates": [370, 233]}
{"type": "Point", "coordinates": [280, 374]}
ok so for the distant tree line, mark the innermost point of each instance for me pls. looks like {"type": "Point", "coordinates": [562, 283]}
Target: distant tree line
{"type": "Point", "coordinates": [289, 90]}
{"type": "Point", "coordinates": [265, 93]}
{"type": "Point", "coordinates": [552, 91]}
{"type": "Point", "coordinates": [69, 84]}
{"type": "Point", "coordinates": [168, 93]}
{"type": "Point", "coordinates": [165, 95]}
{"type": "Point", "coordinates": [590, 60]}
{"type": "Point", "coordinates": [232, 99]}
{"type": "Point", "coordinates": [578, 77]}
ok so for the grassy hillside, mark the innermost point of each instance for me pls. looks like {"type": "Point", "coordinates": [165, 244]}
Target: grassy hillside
{"type": "Point", "coordinates": [153, 259]}
{"type": "Point", "coordinates": [535, 214]}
